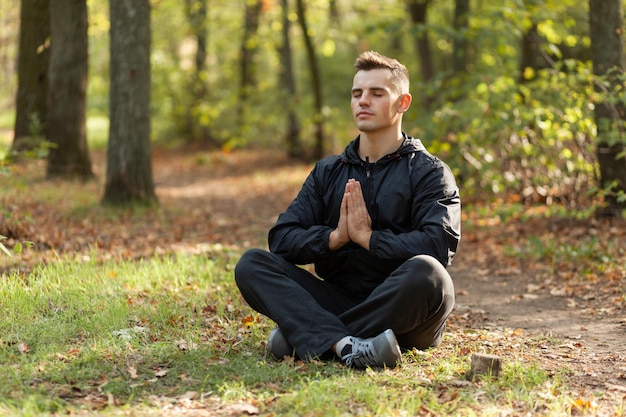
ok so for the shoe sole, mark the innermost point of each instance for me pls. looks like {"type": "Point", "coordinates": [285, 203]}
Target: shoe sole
{"type": "Point", "coordinates": [277, 345]}
{"type": "Point", "coordinates": [395, 349]}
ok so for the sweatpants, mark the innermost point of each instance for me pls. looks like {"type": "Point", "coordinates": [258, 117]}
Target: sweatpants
{"type": "Point", "coordinates": [414, 301]}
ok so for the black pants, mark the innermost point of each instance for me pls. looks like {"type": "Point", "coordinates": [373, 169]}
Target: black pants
{"type": "Point", "coordinates": [414, 301]}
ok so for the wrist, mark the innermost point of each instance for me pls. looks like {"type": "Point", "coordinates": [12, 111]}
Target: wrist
{"type": "Point", "coordinates": [363, 239]}
{"type": "Point", "coordinates": [337, 240]}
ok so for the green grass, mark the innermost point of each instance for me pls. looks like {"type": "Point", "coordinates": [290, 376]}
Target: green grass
{"type": "Point", "coordinates": [97, 131]}
{"type": "Point", "coordinates": [128, 338]}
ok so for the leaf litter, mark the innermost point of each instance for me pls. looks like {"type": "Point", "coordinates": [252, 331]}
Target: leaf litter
{"type": "Point", "coordinates": [518, 281]}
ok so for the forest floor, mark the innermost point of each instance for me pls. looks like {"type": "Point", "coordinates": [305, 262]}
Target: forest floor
{"type": "Point", "coordinates": [212, 200]}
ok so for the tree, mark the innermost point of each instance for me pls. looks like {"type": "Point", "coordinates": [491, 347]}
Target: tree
{"type": "Point", "coordinates": [288, 82]}
{"type": "Point", "coordinates": [249, 48]}
{"type": "Point", "coordinates": [32, 68]}
{"type": "Point", "coordinates": [129, 165]}
{"type": "Point", "coordinates": [316, 81]}
{"type": "Point", "coordinates": [461, 26]}
{"type": "Point", "coordinates": [606, 23]}
{"type": "Point", "coordinates": [418, 12]}
{"type": "Point", "coordinates": [67, 91]}
{"type": "Point", "coordinates": [197, 13]}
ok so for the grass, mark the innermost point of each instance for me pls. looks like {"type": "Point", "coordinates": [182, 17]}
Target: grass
{"type": "Point", "coordinates": [133, 338]}
{"type": "Point", "coordinates": [168, 335]}
{"type": "Point", "coordinates": [97, 131]}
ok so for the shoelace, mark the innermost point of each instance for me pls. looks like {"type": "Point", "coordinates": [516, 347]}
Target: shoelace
{"type": "Point", "coordinates": [362, 355]}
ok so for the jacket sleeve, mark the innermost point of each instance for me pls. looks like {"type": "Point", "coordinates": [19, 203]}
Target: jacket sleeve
{"type": "Point", "coordinates": [299, 234]}
{"type": "Point", "coordinates": [435, 228]}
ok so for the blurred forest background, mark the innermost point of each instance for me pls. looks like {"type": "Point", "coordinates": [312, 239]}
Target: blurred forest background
{"type": "Point", "coordinates": [523, 98]}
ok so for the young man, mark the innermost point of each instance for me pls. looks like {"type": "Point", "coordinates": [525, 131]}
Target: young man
{"type": "Point", "coordinates": [381, 222]}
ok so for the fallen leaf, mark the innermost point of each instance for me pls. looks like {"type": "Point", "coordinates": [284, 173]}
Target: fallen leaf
{"type": "Point", "coordinates": [23, 348]}
{"type": "Point", "coordinates": [184, 345]}
{"type": "Point", "coordinates": [132, 371]}
{"type": "Point", "coordinates": [243, 408]}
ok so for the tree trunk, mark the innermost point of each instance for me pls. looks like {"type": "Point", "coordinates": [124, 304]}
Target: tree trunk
{"type": "Point", "coordinates": [532, 57]}
{"type": "Point", "coordinates": [418, 12]}
{"type": "Point", "coordinates": [67, 91]}
{"type": "Point", "coordinates": [32, 74]}
{"type": "Point", "coordinates": [606, 22]}
{"type": "Point", "coordinates": [461, 26]}
{"type": "Point", "coordinates": [249, 48]}
{"type": "Point", "coordinates": [316, 78]}
{"type": "Point", "coordinates": [288, 82]}
{"type": "Point", "coordinates": [197, 12]}
{"type": "Point", "coordinates": [129, 165]}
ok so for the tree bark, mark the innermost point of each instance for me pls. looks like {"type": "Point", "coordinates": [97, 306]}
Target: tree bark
{"type": "Point", "coordinates": [32, 74]}
{"type": "Point", "coordinates": [606, 22]}
{"type": "Point", "coordinates": [418, 11]}
{"type": "Point", "coordinates": [249, 48]}
{"type": "Point", "coordinates": [461, 26]}
{"type": "Point", "coordinates": [197, 14]}
{"type": "Point", "coordinates": [316, 81]}
{"type": "Point", "coordinates": [129, 164]}
{"type": "Point", "coordinates": [288, 82]}
{"type": "Point", "coordinates": [67, 91]}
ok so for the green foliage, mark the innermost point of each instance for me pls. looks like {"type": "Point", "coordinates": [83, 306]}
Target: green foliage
{"type": "Point", "coordinates": [503, 129]}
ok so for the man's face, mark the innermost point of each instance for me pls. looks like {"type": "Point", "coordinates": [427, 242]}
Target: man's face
{"type": "Point", "coordinates": [376, 103]}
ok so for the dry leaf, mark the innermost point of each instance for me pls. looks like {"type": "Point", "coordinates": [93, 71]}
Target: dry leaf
{"type": "Point", "coordinates": [132, 371]}
{"type": "Point", "coordinates": [23, 348]}
{"type": "Point", "coordinates": [244, 408]}
{"type": "Point", "coordinates": [184, 345]}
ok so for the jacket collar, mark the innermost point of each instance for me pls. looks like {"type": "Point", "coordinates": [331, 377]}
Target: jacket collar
{"type": "Point", "coordinates": [410, 145]}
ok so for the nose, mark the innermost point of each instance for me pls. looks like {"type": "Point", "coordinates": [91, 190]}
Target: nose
{"type": "Point", "coordinates": [364, 100]}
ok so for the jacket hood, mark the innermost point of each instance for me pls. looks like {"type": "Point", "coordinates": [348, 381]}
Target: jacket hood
{"type": "Point", "coordinates": [410, 145]}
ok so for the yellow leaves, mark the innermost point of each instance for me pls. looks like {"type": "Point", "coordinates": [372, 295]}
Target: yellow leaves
{"type": "Point", "coordinates": [584, 405]}
{"type": "Point", "coordinates": [518, 332]}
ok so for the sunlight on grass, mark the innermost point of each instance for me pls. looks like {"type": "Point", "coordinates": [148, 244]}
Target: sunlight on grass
{"type": "Point", "coordinates": [94, 336]}
{"type": "Point", "coordinates": [97, 131]}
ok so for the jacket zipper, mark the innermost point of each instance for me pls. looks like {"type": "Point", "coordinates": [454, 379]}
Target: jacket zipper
{"type": "Point", "coordinates": [368, 188]}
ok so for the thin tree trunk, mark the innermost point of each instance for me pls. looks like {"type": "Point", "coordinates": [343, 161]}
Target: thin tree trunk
{"type": "Point", "coordinates": [418, 11]}
{"type": "Point", "coordinates": [32, 70]}
{"type": "Point", "coordinates": [606, 21]}
{"type": "Point", "coordinates": [197, 14]}
{"type": "Point", "coordinates": [249, 48]}
{"type": "Point", "coordinates": [288, 82]}
{"type": "Point", "coordinates": [316, 81]}
{"type": "Point", "coordinates": [129, 165]}
{"type": "Point", "coordinates": [461, 26]}
{"type": "Point", "coordinates": [67, 92]}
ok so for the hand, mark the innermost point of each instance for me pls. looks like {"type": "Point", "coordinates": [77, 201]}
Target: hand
{"type": "Point", "coordinates": [359, 220]}
{"type": "Point", "coordinates": [340, 235]}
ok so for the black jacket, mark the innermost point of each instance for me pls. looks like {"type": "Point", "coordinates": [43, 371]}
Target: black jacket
{"type": "Point", "coordinates": [412, 199]}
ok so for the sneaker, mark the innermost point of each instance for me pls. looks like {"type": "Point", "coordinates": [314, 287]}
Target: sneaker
{"type": "Point", "coordinates": [277, 345]}
{"type": "Point", "coordinates": [380, 351]}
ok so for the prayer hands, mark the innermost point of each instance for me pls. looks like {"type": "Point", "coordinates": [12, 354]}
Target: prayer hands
{"type": "Point", "coordinates": [355, 223]}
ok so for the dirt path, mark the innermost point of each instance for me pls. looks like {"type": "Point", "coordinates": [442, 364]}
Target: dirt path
{"type": "Point", "coordinates": [590, 333]}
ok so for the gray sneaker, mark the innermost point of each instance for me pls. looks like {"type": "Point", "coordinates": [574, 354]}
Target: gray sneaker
{"type": "Point", "coordinates": [277, 345]}
{"type": "Point", "coordinates": [380, 351]}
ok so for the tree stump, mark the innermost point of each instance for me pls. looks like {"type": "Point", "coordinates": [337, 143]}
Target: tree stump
{"type": "Point", "coordinates": [485, 364]}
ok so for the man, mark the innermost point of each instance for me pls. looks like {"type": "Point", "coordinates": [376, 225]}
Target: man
{"type": "Point", "coordinates": [380, 222]}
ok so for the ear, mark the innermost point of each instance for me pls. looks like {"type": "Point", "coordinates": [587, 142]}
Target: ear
{"type": "Point", "coordinates": [405, 102]}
